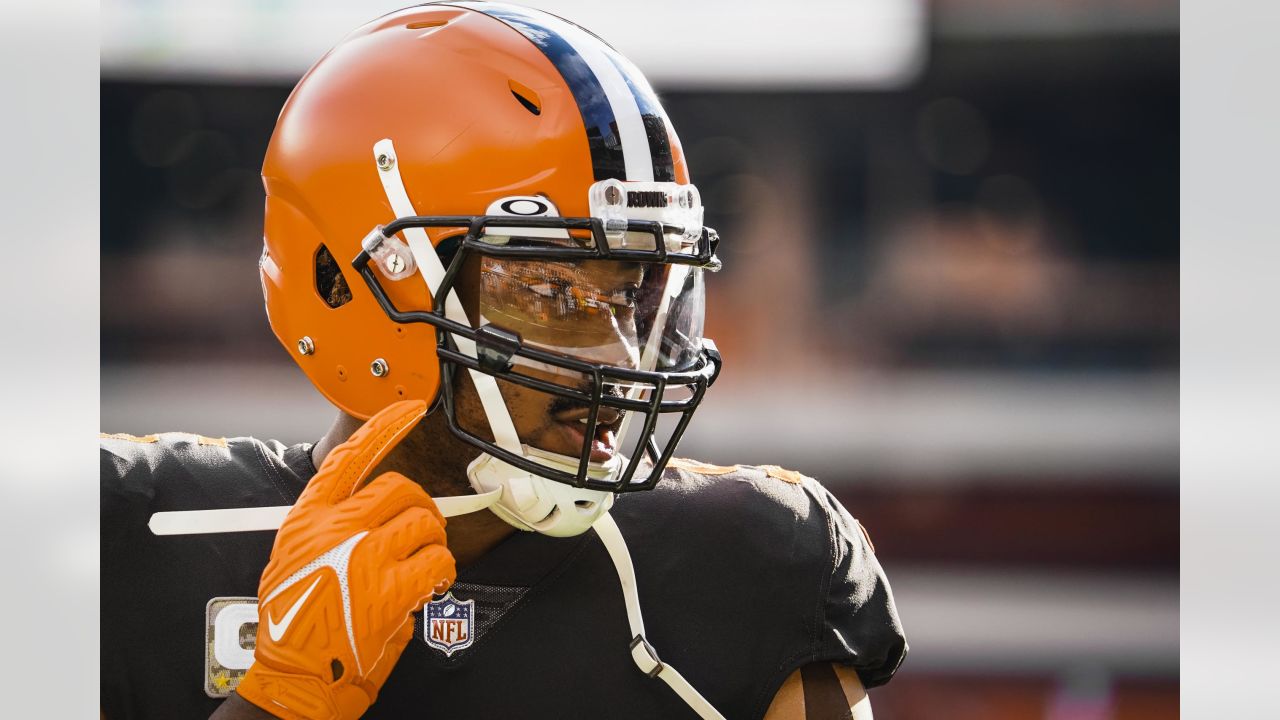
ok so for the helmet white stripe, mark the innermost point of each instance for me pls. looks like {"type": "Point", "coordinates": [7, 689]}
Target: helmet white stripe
{"type": "Point", "coordinates": [635, 142]}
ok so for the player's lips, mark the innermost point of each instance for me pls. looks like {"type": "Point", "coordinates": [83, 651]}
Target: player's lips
{"type": "Point", "coordinates": [604, 443]}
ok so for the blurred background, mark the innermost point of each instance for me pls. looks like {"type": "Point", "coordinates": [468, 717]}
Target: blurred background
{"type": "Point", "coordinates": [950, 293]}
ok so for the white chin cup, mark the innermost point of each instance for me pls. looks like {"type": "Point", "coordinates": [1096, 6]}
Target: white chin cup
{"type": "Point", "coordinates": [534, 503]}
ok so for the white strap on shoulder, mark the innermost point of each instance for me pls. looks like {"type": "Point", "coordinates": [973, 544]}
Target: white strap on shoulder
{"type": "Point", "coordinates": [645, 657]}
{"type": "Point", "coordinates": [198, 522]}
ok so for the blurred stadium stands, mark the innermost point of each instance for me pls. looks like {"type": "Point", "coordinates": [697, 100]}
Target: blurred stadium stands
{"type": "Point", "coordinates": [950, 292]}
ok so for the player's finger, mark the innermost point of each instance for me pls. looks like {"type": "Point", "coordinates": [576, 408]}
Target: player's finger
{"type": "Point", "coordinates": [387, 496]}
{"type": "Point", "coordinates": [418, 576]}
{"type": "Point", "coordinates": [412, 529]}
{"type": "Point", "coordinates": [347, 465]}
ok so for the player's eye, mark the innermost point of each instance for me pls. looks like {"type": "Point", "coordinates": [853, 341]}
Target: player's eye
{"type": "Point", "coordinates": [626, 296]}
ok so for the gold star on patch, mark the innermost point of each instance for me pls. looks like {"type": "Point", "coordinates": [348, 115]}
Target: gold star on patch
{"type": "Point", "coordinates": [221, 681]}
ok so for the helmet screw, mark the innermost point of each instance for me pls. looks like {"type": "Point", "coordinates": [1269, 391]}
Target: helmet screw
{"type": "Point", "coordinates": [385, 162]}
{"type": "Point", "coordinates": [395, 263]}
{"type": "Point", "coordinates": [379, 368]}
{"type": "Point", "coordinates": [306, 346]}
{"type": "Point", "coordinates": [612, 195]}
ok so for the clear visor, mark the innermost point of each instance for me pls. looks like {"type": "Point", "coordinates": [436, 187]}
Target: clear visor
{"type": "Point", "coordinates": [635, 316]}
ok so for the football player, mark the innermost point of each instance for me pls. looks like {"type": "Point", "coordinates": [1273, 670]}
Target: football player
{"type": "Point", "coordinates": [483, 246]}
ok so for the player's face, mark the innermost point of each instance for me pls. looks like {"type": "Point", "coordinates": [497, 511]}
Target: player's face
{"type": "Point", "coordinates": [587, 310]}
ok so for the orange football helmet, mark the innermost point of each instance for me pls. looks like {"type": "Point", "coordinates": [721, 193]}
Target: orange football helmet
{"type": "Point", "coordinates": [493, 139]}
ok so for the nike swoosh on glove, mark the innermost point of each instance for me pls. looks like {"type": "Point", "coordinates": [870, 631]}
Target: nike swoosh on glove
{"type": "Point", "coordinates": [351, 564]}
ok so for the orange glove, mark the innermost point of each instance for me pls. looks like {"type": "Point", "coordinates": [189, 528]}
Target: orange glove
{"type": "Point", "coordinates": [350, 565]}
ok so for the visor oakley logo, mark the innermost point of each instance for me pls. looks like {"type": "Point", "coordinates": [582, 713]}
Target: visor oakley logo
{"type": "Point", "coordinates": [524, 206]}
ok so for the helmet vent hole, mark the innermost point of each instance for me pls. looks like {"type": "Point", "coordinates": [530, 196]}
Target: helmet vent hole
{"type": "Point", "coordinates": [330, 283]}
{"type": "Point", "coordinates": [584, 504]}
{"type": "Point", "coordinates": [526, 96]}
{"type": "Point", "coordinates": [425, 24]}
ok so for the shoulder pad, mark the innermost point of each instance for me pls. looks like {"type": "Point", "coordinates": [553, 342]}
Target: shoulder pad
{"type": "Point", "coordinates": [155, 438]}
{"type": "Point", "coordinates": [773, 471]}
{"type": "Point", "coordinates": [699, 467]}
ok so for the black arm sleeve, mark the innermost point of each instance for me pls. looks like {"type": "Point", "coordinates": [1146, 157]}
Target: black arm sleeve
{"type": "Point", "coordinates": [860, 621]}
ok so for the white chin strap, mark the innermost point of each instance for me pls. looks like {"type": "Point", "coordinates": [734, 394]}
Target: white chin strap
{"type": "Point", "coordinates": [531, 502]}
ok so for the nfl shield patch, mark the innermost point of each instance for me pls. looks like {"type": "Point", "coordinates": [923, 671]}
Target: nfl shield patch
{"type": "Point", "coordinates": [449, 624]}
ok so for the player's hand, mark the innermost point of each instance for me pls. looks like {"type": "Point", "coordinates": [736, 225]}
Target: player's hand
{"type": "Point", "coordinates": [350, 565]}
